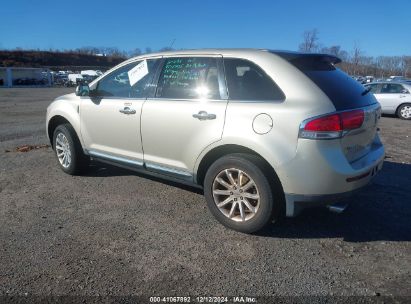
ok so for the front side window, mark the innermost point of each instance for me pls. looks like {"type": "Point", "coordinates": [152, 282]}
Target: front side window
{"type": "Point", "coordinates": [189, 78]}
{"type": "Point", "coordinates": [391, 88]}
{"type": "Point", "coordinates": [119, 84]}
{"type": "Point", "coordinates": [247, 81]}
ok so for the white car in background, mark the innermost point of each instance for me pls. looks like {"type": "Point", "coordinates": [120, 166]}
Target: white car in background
{"type": "Point", "coordinates": [75, 79]}
{"type": "Point", "coordinates": [394, 97]}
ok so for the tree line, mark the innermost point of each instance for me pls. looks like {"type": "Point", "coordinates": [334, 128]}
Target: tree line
{"type": "Point", "coordinates": [56, 60]}
{"type": "Point", "coordinates": [356, 62]}
{"type": "Point", "coordinates": [93, 57]}
{"type": "Point", "coordinates": [110, 51]}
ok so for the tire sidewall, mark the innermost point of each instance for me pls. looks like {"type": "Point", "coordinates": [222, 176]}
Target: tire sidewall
{"type": "Point", "coordinates": [265, 210]}
{"type": "Point", "coordinates": [64, 129]}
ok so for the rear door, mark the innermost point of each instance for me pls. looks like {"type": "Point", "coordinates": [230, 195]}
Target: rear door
{"type": "Point", "coordinates": [185, 116]}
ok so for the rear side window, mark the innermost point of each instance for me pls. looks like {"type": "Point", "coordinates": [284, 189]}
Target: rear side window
{"type": "Point", "coordinates": [391, 88]}
{"type": "Point", "coordinates": [343, 91]}
{"type": "Point", "coordinates": [247, 81]}
{"type": "Point", "coordinates": [189, 78]}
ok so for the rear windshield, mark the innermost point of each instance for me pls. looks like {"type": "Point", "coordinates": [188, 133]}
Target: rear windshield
{"type": "Point", "coordinates": [344, 92]}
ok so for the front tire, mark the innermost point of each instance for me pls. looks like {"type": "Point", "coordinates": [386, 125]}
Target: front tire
{"type": "Point", "coordinates": [404, 111]}
{"type": "Point", "coordinates": [68, 150]}
{"type": "Point", "coordinates": [239, 194]}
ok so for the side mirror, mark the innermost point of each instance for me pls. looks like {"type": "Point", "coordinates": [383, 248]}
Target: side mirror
{"type": "Point", "coordinates": [82, 90]}
{"type": "Point", "coordinates": [404, 91]}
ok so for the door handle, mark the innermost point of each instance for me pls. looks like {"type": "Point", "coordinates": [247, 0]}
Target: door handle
{"type": "Point", "coordinates": [203, 115]}
{"type": "Point", "coordinates": [127, 110]}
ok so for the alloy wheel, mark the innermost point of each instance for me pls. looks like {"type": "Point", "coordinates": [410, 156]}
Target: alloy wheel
{"type": "Point", "coordinates": [236, 194]}
{"type": "Point", "coordinates": [63, 150]}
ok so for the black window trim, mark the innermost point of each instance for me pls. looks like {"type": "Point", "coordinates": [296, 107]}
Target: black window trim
{"type": "Point", "coordinates": [252, 101]}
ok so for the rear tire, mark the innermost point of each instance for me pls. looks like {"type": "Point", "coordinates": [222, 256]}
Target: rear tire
{"type": "Point", "coordinates": [68, 150]}
{"type": "Point", "coordinates": [404, 111]}
{"type": "Point", "coordinates": [239, 193]}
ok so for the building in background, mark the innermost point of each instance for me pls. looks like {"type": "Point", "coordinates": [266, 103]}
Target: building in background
{"type": "Point", "coordinates": [25, 77]}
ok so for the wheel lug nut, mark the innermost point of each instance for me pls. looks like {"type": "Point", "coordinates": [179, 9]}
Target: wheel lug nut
{"type": "Point", "coordinates": [241, 191]}
{"type": "Point", "coordinates": [241, 198]}
{"type": "Point", "coordinates": [231, 193]}
{"type": "Point", "coordinates": [235, 188]}
{"type": "Point", "coordinates": [235, 199]}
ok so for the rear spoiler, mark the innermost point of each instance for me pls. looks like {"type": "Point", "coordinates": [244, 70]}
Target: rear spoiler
{"type": "Point", "coordinates": [295, 56]}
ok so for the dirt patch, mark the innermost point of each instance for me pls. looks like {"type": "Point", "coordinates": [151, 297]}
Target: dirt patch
{"type": "Point", "coordinates": [27, 148]}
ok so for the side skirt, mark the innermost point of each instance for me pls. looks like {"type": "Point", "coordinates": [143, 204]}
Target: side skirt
{"type": "Point", "coordinates": [139, 167]}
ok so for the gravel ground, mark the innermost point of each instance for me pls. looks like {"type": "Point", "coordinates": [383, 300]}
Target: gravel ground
{"type": "Point", "coordinates": [114, 232]}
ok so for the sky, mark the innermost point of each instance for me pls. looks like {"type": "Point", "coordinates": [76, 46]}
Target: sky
{"type": "Point", "coordinates": [376, 27]}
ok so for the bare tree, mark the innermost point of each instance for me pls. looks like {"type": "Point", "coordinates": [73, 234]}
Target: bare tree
{"type": "Point", "coordinates": [356, 58]}
{"type": "Point", "coordinates": [367, 66]}
{"type": "Point", "coordinates": [382, 64]}
{"type": "Point", "coordinates": [88, 50]}
{"type": "Point", "coordinates": [310, 42]}
{"type": "Point", "coordinates": [335, 50]}
{"type": "Point", "coordinates": [332, 50]}
{"type": "Point", "coordinates": [135, 52]}
{"type": "Point", "coordinates": [405, 65]}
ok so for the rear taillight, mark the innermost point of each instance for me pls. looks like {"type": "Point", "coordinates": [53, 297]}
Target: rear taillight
{"type": "Point", "coordinates": [324, 123]}
{"type": "Point", "coordinates": [352, 119]}
{"type": "Point", "coordinates": [332, 126]}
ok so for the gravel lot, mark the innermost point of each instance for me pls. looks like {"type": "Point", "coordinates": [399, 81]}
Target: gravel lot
{"type": "Point", "coordinates": [113, 232]}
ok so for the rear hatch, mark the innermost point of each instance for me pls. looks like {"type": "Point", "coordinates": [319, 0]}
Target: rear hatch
{"type": "Point", "coordinates": [346, 94]}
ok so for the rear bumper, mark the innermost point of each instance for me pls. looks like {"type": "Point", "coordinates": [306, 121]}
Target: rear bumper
{"type": "Point", "coordinates": [295, 203]}
{"type": "Point", "coordinates": [320, 175]}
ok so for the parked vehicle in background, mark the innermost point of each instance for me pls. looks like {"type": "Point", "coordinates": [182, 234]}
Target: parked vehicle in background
{"type": "Point", "coordinates": [74, 79]}
{"type": "Point", "coordinates": [90, 75]}
{"type": "Point", "coordinates": [264, 133]}
{"type": "Point", "coordinates": [394, 97]}
{"type": "Point", "coordinates": [60, 79]}
{"type": "Point", "coordinates": [91, 72]}
{"type": "Point", "coordinates": [88, 78]}
{"type": "Point", "coordinates": [396, 78]}
{"type": "Point", "coordinates": [360, 79]}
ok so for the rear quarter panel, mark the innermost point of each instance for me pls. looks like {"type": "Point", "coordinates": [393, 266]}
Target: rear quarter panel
{"type": "Point", "coordinates": [303, 100]}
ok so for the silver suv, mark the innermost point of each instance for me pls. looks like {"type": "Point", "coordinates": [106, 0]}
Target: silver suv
{"type": "Point", "coordinates": [264, 133]}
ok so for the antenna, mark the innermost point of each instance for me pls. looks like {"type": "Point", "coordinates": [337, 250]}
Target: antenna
{"type": "Point", "coordinates": [172, 42]}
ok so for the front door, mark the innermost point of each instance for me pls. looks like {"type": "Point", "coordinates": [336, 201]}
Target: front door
{"type": "Point", "coordinates": [110, 117]}
{"type": "Point", "coordinates": [185, 116]}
